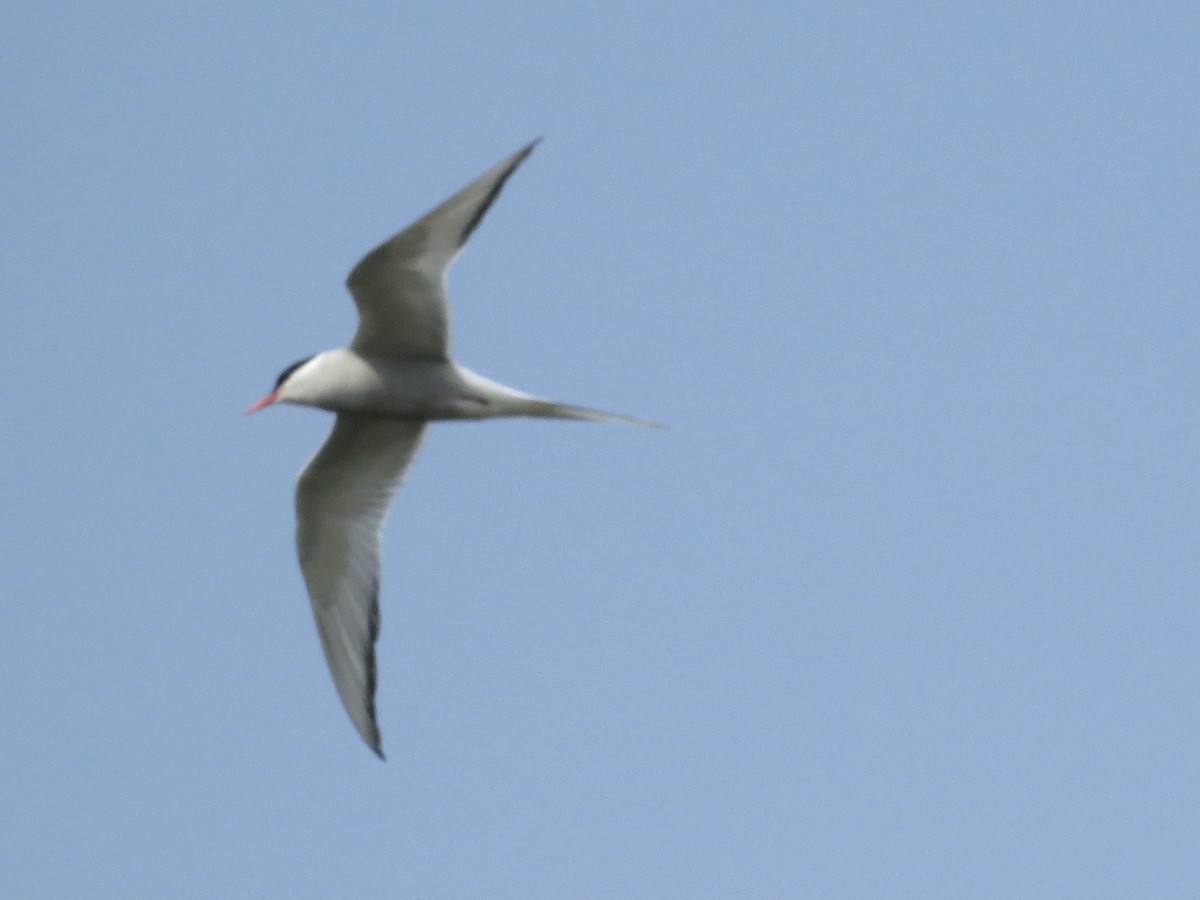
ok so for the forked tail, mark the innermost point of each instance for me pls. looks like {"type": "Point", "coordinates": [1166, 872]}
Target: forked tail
{"type": "Point", "coordinates": [550, 410]}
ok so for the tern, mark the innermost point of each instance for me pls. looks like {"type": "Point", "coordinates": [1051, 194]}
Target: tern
{"type": "Point", "coordinates": [396, 376]}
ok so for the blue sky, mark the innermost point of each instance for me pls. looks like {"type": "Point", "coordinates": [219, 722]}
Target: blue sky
{"type": "Point", "coordinates": [903, 605]}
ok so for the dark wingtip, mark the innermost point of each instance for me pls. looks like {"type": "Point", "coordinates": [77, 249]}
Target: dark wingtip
{"type": "Point", "coordinates": [513, 163]}
{"type": "Point", "coordinates": [523, 153]}
{"type": "Point", "coordinates": [375, 741]}
{"type": "Point", "coordinates": [375, 738]}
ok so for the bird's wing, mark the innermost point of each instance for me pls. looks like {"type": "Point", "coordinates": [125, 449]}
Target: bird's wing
{"type": "Point", "coordinates": [400, 286]}
{"type": "Point", "coordinates": [342, 498]}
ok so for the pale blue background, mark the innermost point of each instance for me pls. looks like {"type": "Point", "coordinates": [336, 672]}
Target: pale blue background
{"type": "Point", "coordinates": [903, 606]}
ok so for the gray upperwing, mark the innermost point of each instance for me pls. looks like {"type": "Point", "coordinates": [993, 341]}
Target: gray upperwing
{"type": "Point", "coordinates": [400, 286]}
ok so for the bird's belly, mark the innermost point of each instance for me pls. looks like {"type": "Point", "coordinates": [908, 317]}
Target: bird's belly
{"type": "Point", "coordinates": [414, 390]}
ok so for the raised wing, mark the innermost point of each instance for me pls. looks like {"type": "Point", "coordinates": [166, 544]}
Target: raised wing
{"type": "Point", "coordinates": [342, 499]}
{"type": "Point", "coordinates": [400, 286]}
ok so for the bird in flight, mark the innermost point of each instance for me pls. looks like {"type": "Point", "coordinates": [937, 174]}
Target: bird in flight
{"type": "Point", "coordinates": [396, 376]}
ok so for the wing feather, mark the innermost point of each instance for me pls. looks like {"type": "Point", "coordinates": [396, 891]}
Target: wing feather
{"type": "Point", "coordinates": [342, 499]}
{"type": "Point", "coordinates": [400, 286]}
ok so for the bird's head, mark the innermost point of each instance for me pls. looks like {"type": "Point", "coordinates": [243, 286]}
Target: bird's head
{"type": "Point", "coordinates": [287, 386]}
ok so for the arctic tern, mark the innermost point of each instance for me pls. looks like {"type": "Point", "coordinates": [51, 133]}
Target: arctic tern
{"type": "Point", "coordinates": [395, 377]}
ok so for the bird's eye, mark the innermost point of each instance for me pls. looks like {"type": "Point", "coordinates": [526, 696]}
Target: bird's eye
{"type": "Point", "coordinates": [283, 376]}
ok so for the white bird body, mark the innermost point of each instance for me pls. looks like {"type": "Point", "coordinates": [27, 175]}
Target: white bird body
{"type": "Point", "coordinates": [344, 381]}
{"type": "Point", "coordinates": [396, 375]}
